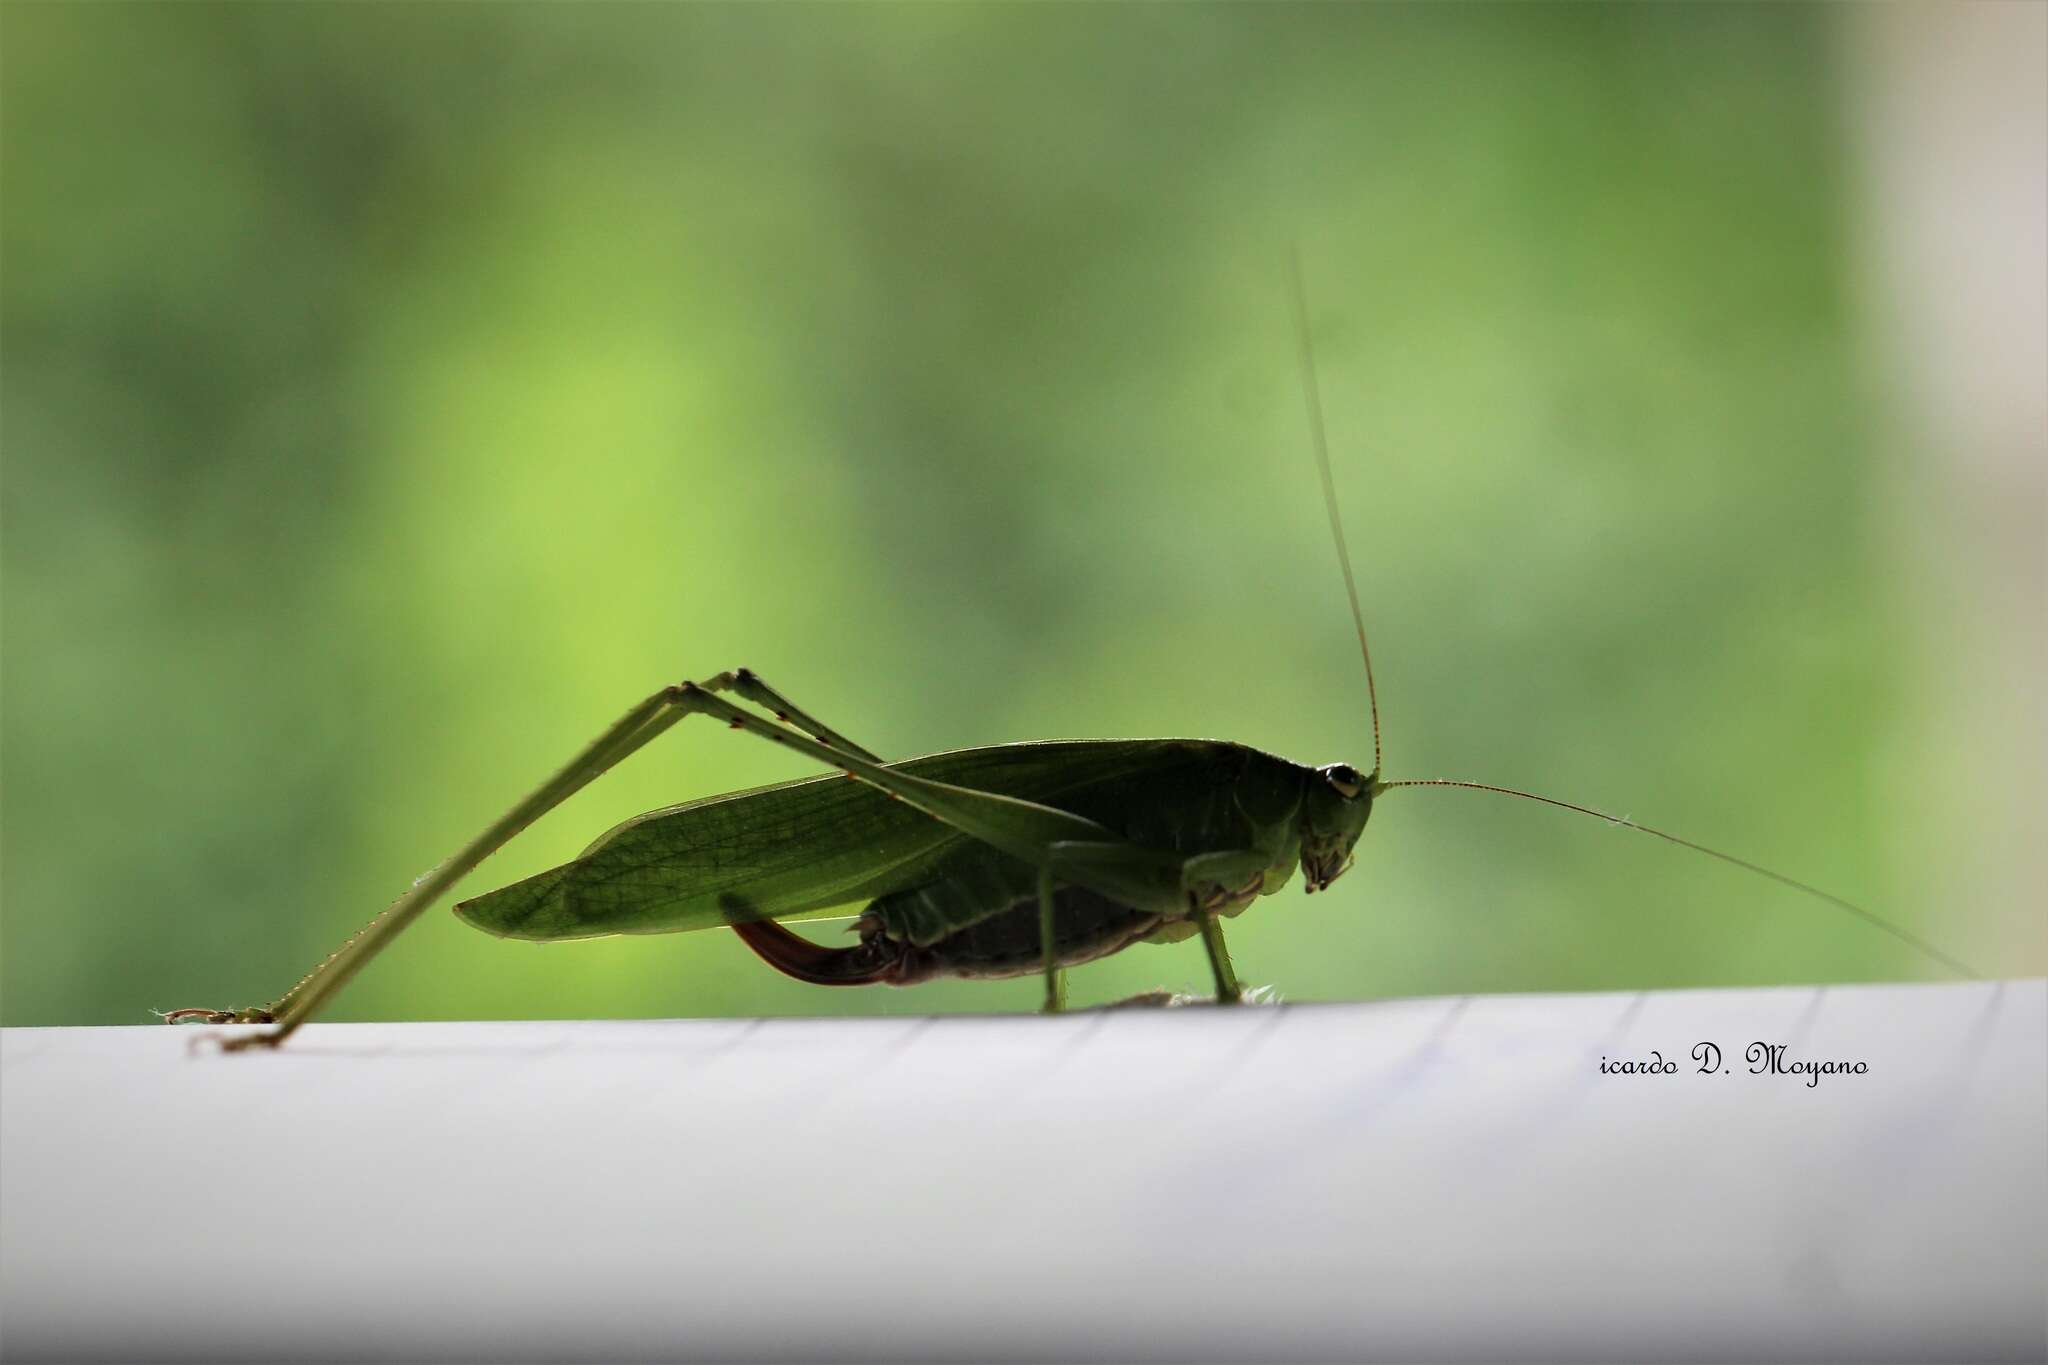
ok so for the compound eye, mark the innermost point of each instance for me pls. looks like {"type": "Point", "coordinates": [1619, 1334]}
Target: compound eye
{"type": "Point", "coordinates": [1345, 778]}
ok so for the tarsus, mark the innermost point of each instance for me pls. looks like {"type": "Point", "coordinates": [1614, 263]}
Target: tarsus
{"type": "Point", "coordinates": [1868, 917]}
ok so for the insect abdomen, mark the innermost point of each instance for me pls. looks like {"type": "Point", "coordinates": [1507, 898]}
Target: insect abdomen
{"type": "Point", "coordinates": [1002, 945]}
{"type": "Point", "coordinates": [1007, 943]}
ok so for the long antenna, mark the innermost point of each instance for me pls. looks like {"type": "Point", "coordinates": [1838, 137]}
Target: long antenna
{"type": "Point", "coordinates": [1874, 920]}
{"type": "Point", "coordinates": [1314, 394]}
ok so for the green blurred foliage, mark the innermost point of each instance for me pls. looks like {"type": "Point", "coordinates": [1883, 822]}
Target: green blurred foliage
{"type": "Point", "coordinates": [392, 394]}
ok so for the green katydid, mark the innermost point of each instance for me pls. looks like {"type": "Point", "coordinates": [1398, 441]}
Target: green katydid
{"type": "Point", "coordinates": [1004, 861]}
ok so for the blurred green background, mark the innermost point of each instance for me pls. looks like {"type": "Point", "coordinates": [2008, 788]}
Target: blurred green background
{"type": "Point", "coordinates": [394, 394]}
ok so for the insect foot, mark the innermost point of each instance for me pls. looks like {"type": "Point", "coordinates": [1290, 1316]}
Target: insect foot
{"type": "Point", "coordinates": [206, 1016]}
{"type": "Point", "coordinates": [1161, 999]}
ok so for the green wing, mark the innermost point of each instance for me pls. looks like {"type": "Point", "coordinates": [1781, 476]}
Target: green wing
{"type": "Point", "coordinates": [803, 847]}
